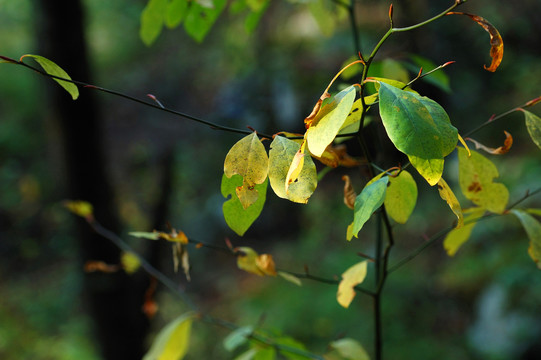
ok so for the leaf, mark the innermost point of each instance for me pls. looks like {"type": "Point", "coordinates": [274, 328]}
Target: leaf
{"type": "Point", "coordinates": [80, 208]}
{"type": "Point", "coordinates": [449, 196]}
{"type": "Point", "coordinates": [329, 120]}
{"type": "Point", "coordinates": [200, 19]}
{"type": "Point", "coordinates": [533, 124]}
{"type": "Point", "coordinates": [496, 41]}
{"type": "Point", "coordinates": [130, 262]}
{"type": "Point", "coordinates": [533, 230]}
{"type": "Point", "coordinates": [401, 196]}
{"type": "Point", "coordinates": [418, 127]}
{"type": "Point", "coordinates": [180, 257]}
{"type": "Point", "coordinates": [394, 83]}
{"type": "Point", "coordinates": [368, 201]}
{"type": "Point", "coordinates": [350, 349]}
{"type": "Point", "coordinates": [248, 159]}
{"type": "Point", "coordinates": [145, 235]}
{"type": "Point", "coordinates": [536, 212]}
{"type": "Point", "coordinates": [495, 151]}
{"type": "Point", "coordinates": [290, 343]}
{"type": "Point", "coordinates": [236, 216]}
{"type": "Point", "coordinates": [475, 176]}
{"type": "Point", "coordinates": [249, 260]}
{"type": "Point", "coordinates": [152, 19]}
{"type": "Point", "coordinates": [350, 278]}
{"type": "Point", "coordinates": [237, 337]}
{"type": "Point", "coordinates": [252, 19]}
{"type": "Point", "coordinates": [281, 156]}
{"type": "Point", "coordinates": [458, 236]}
{"type": "Point", "coordinates": [172, 341]}
{"type": "Point", "coordinates": [335, 156]}
{"type": "Point", "coordinates": [176, 12]}
{"type": "Point", "coordinates": [52, 69]}
{"type": "Point", "coordinates": [353, 119]}
{"type": "Point", "coordinates": [349, 193]}
{"type": "Point", "coordinates": [296, 166]}
{"type": "Point", "coordinates": [291, 278]}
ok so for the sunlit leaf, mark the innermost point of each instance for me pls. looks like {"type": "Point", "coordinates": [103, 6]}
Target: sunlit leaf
{"type": "Point", "coordinates": [236, 216]}
{"type": "Point", "coordinates": [401, 196]}
{"type": "Point", "coordinates": [145, 235]}
{"type": "Point", "coordinates": [172, 341]}
{"type": "Point", "coordinates": [350, 278]}
{"type": "Point", "coordinates": [475, 175]}
{"type": "Point", "coordinates": [296, 166]}
{"type": "Point", "coordinates": [52, 69]}
{"type": "Point", "coordinates": [419, 127]}
{"type": "Point", "coordinates": [368, 201]}
{"type": "Point", "coordinates": [394, 83]}
{"type": "Point", "coordinates": [80, 208]}
{"type": "Point", "coordinates": [152, 19]}
{"type": "Point", "coordinates": [454, 240]}
{"type": "Point", "coordinates": [352, 70]}
{"type": "Point", "coordinates": [249, 260]}
{"type": "Point", "coordinates": [533, 230]}
{"type": "Point", "coordinates": [350, 349]}
{"type": "Point", "coordinates": [449, 196]}
{"type": "Point", "coordinates": [495, 151]}
{"type": "Point", "coordinates": [353, 120]}
{"type": "Point", "coordinates": [176, 12]}
{"type": "Point", "coordinates": [496, 41]}
{"type": "Point", "coordinates": [130, 262]}
{"type": "Point", "coordinates": [200, 19]}
{"type": "Point", "coordinates": [533, 124]}
{"type": "Point", "coordinates": [291, 278]}
{"type": "Point", "coordinates": [329, 120]}
{"type": "Point", "coordinates": [349, 193]}
{"type": "Point", "coordinates": [248, 159]}
{"type": "Point", "coordinates": [237, 337]}
{"type": "Point", "coordinates": [281, 156]}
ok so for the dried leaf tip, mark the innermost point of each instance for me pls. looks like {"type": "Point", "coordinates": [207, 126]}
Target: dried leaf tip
{"type": "Point", "coordinates": [533, 101]}
{"type": "Point", "coordinates": [391, 14]}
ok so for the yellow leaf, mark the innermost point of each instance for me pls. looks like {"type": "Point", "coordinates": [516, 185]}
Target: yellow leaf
{"type": "Point", "coordinates": [350, 278]}
{"type": "Point", "coordinates": [401, 196]}
{"type": "Point", "coordinates": [80, 208]}
{"type": "Point", "coordinates": [291, 278]}
{"type": "Point", "coordinates": [172, 341]}
{"type": "Point", "coordinates": [296, 167]}
{"type": "Point", "coordinates": [250, 261]}
{"type": "Point", "coordinates": [265, 263]}
{"type": "Point", "coordinates": [130, 262]}
{"type": "Point", "coordinates": [248, 159]}
{"type": "Point", "coordinates": [447, 194]}
{"type": "Point", "coordinates": [454, 240]}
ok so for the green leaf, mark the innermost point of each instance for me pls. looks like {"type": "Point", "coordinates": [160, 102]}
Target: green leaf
{"type": "Point", "coordinates": [329, 120]}
{"type": "Point", "coordinates": [152, 19]}
{"type": "Point", "coordinates": [533, 124]}
{"type": "Point", "coordinates": [281, 155]}
{"type": "Point", "coordinates": [536, 212]}
{"type": "Point", "coordinates": [145, 235]}
{"type": "Point", "coordinates": [237, 337]}
{"type": "Point", "coordinates": [352, 277]}
{"type": "Point", "coordinates": [52, 69]}
{"type": "Point", "coordinates": [247, 355]}
{"type": "Point", "coordinates": [368, 201]}
{"type": "Point", "coordinates": [252, 19]}
{"type": "Point", "coordinates": [265, 353]}
{"type": "Point", "coordinates": [533, 230]}
{"type": "Point", "coordinates": [350, 349]}
{"type": "Point", "coordinates": [175, 13]}
{"type": "Point", "coordinates": [172, 341]}
{"type": "Point", "coordinates": [200, 19]}
{"type": "Point", "coordinates": [236, 216]}
{"type": "Point", "coordinates": [418, 127]}
{"type": "Point", "coordinates": [458, 236]}
{"type": "Point", "coordinates": [291, 343]}
{"type": "Point", "coordinates": [475, 176]}
{"type": "Point", "coordinates": [401, 197]}
{"type": "Point", "coordinates": [394, 83]}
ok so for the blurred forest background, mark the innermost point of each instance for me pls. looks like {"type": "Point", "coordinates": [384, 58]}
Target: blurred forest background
{"type": "Point", "coordinates": [141, 168]}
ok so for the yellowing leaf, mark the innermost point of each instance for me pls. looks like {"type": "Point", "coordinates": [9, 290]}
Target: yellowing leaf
{"type": "Point", "coordinates": [329, 120]}
{"type": "Point", "coordinates": [236, 216]}
{"type": "Point", "coordinates": [80, 208]}
{"type": "Point", "coordinates": [533, 124]}
{"type": "Point", "coordinates": [354, 116]}
{"type": "Point", "coordinates": [454, 240]}
{"type": "Point", "coordinates": [401, 196]}
{"type": "Point", "coordinates": [281, 156]}
{"type": "Point", "coordinates": [495, 151]}
{"type": "Point", "coordinates": [291, 278]}
{"type": "Point", "coordinates": [496, 41]}
{"type": "Point", "coordinates": [296, 166]}
{"type": "Point", "coordinates": [335, 156]}
{"type": "Point", "coordinates": [449, 196]}
{"type": "Point", "coordinates": [350, 349]}
{"type": "Point", "coordinates": [533, 230]}
{"type": "Point", "coordinates": [350, 278]}
{"type": "Point", "coordinates": [475, 176]}
{"type": "Point", "coordinates": [248, 159]}
{"type": "Point", "coordinates": [52, 69]}
{"type": "Point", "coordinates": [368, 201]}
{"type": "Point", "coordinates": [249, 260]}
{"type": "Point", "coordinates": [180, 257]}
{"type": "Point", "coordinates": [349, 193]}
{"type": "Point", "coordinates": [172, 341]}
{"type": "Point", "coordinates": [130, 262]}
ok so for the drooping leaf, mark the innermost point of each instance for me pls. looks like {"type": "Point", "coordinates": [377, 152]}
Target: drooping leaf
{"type": "Point", "coordinates": [401, 196]}
{"type": "Point", "coordinates": [350, 349]}
{"type": "Point", "coordinates": [248, 159]}
{"type": "Point", "coordinates": [368, 201]}
{"type": "Point", "coordinates": [281, 156]}
{"type": "Point", "coordinates": [291, 278]}
{"type": "Point", "coordinates": [52, 69]}
{"type": "Point", "coordinates": [454, 240]}
{"type": "Point", "coordinates": [200, 19]}
{"type": "Point", "coordinates": [419, 127]}
{"type": "Point", "coordinates": [80, 208]}
{"type": "Point", "coordinates": [249, 260]}
{"type": "Point", "coordinates": [476, 174]}
{"type": "Point", "coordinates": [449, 196]}
{"type": "Point", "coordinates": [176, 12]}
{"type": "Point", "coordinates": [349, 193]}
{"type": "Point", "coordinates": [172, 341]}
{"type": "Point", "coordinates": [236, 216]}
{"type": "Point", "coordinates": [496, 41]}
{"type": "Point", "coordinates": [533, 124]}
{"type": "Point", "coordinates": [495, 151]}
{"type": "Point", "coordinates": [237, 337]}
{"type": "Point", "coordinates": [329, 120]}
{"type": "Point", "coordinates": [335, 156]}
{"type": "Point", "coordinates": [130, 262]}
{"type": "Point", "coordinates": [152, 19]}
{"type": "Point", "coordinates": [533, 230]}
{"type": "Point", "coordinates": [350, 278]}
